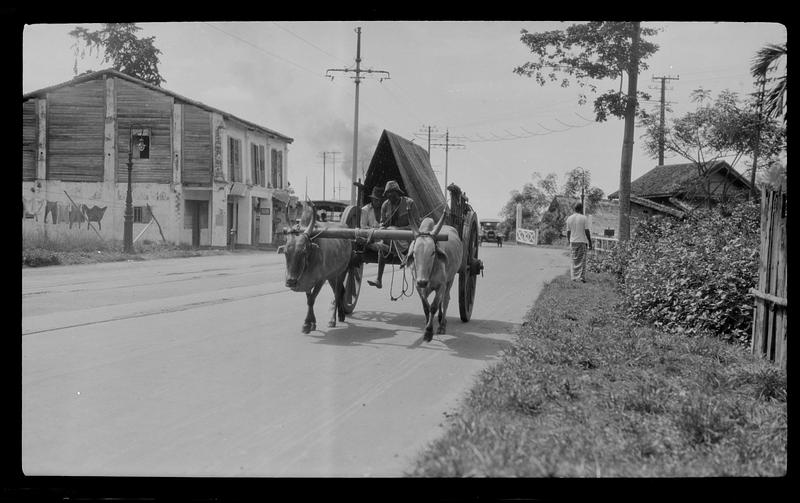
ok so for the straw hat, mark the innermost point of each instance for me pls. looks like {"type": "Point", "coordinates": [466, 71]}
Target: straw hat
{"type": "Point", "coordinates": [391, 185]}
{"type": "Point", "coordinates": [377, 193]}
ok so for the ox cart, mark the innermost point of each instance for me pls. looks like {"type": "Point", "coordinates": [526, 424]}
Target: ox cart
{"type": "Point", "coordinates": [398, 159]}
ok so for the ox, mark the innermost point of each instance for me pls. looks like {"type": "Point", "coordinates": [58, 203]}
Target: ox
{"type": "Point", "coordinates": [310, 262]}
{"type": "Point", "coordinates": [434, 265]}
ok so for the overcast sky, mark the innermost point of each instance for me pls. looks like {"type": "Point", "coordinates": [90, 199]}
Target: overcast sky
{"type": "Point", "coordinates": [456, 76]}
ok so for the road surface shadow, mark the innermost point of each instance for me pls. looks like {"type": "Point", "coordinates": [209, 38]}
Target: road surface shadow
{"type": "Point", "coordinates": [476, 339]}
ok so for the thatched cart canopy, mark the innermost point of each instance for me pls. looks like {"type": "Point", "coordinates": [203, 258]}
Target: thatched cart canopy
{"type": "Point", "coordinates": [398, 159]}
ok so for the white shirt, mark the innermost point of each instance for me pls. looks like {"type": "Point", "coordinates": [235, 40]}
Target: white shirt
{"type": "Point", "coordinates": [577, 225]}
{"type": "Point", "coordinates": [368, 218]}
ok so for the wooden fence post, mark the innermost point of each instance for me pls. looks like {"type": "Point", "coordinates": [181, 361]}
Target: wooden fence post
{"type": "Point", "coordinates": [770, 314]}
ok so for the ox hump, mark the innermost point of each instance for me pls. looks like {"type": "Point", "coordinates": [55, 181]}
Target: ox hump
{"type": "Point", "coordinates": [427, 225]}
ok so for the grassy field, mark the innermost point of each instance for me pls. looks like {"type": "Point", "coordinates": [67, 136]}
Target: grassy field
{"type": "Point", "coordinates": [585, 392]}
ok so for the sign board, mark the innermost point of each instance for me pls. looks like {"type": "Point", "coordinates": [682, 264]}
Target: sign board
{"type": "Point", "coordinates": [265, 211]}
{"type": "Point", "coordinates": [238, 189]}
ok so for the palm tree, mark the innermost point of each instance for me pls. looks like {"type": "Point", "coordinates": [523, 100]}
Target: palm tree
{"type": "Point", "coordinates": [766, 61]}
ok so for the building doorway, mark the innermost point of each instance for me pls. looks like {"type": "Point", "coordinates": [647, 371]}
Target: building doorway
{"type": "Point", "coordinates": [196, 219]}
{"type": "Point", "coordinates": [232, 220]}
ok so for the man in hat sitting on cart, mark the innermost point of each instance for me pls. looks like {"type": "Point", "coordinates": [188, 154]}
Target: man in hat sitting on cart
{"type": "Point", "coordinates": [398, 211]}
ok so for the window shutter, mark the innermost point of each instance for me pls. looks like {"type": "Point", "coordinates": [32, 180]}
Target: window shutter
{"type": "Point", "coordinates": [273, 164]}
{"type": "Point", "coordinates": [280, 170]}
{"type": "Point", "coordinates": [262, 165]}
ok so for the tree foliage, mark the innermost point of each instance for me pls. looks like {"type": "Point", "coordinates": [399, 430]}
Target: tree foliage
{"type": "Point", "coordinates": [721, 128]}
{"type": "Point", "coordinates": [119, 45]}
{"type": "Point", "coordinates": [586, 53]}
{"type": "Point", "coordinates": [532, 200]}
{"type": "Point", "coordinates": [766, 62]}
{"type": "Point", "coordinates": [536, 197]}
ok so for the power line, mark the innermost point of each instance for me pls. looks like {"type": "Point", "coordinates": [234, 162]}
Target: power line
{"type": "Point", "coordinates": [529, 134]}
{"type": "Point", "coordinates": [263, 50]}
{"type": "Point", "coordinates": [430, 129]}
{"type": "Point", "coordinates": [324, 170]}
{"type": "Point", "coordinates": [447, 146]}
{"type": "Point", "coordinates": [323, 51]}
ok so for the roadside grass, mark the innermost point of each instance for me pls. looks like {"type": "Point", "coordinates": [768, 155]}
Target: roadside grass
{"type": "Point", "coordinates": [38, 251]}
{"type": "Point", "coordinates": [584, 392]}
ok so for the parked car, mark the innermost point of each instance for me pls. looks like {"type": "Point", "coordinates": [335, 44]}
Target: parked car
{"type": "Point", "coordinates": [489, 231]}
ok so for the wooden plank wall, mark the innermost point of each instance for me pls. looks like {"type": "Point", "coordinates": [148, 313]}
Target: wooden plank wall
{"type": "Point", "coordinates": [769, 323]}
{"type": "Point", "coordinates": [139, 106]}
{"type": "Point", "coordinates": [75, 131]}
{"type": "Point", "coordinates": [197, 141]}
{"type": "Point", "coordinates": [29, 134]}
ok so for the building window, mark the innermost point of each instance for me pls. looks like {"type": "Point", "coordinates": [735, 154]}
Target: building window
{"type": "Point", "coordinates": [234, 159]}
{"type": "Point", "coordinates": [258, 163]}
{"type": "Point", "coordinates": [141, 215]}
{"type": "Point", "coordinates": [277, 169]}
{"type": "Point", "coordinates": [140, 139]}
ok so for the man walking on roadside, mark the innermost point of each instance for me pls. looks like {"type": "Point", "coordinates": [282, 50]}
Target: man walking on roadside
{"type": "Point", "coordinates": [579, 239]}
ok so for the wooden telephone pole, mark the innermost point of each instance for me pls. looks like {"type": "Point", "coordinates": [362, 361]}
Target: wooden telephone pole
{"type": "Point", "coordinates": [661, 123]}
{"type": "Point", "coordinates": [358, 71]}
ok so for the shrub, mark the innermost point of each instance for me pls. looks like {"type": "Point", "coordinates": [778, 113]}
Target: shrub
{"type": "Point", "coordinates": [37, 257]}
{"type": "Point", "coordinates": [550, 227]}
{"type": "Point", "coordinates": [691, 276]}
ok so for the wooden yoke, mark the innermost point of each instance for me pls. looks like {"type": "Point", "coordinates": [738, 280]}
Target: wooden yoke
{"type": "Point", "coordinates": [347, 233]}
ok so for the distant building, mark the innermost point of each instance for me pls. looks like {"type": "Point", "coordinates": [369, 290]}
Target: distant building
{"type": "Point", "coordinates": [684, 187]}
{"type": "Point", "coordinates": [603, 215]}
{"type": "Point", "coordinates": [206, 176]}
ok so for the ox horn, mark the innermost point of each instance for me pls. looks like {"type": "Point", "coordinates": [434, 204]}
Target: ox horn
{"type": "Point", "coordinates": [438, 225]}
{"type": "Point", "coordinates": [313, 219]}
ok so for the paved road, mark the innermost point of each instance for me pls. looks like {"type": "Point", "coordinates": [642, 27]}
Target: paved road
{"type": "Point", "coordinates": [197, 367]}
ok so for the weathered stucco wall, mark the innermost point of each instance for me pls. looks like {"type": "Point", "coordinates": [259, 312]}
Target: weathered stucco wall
{"type": "Point", "coordinates": [62, 209]}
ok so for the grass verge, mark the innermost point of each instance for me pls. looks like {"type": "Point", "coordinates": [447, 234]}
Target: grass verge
{"type": "Point", "coordinates": [585, 392]}
{"type": "Point", "coordinates": [40, 252]}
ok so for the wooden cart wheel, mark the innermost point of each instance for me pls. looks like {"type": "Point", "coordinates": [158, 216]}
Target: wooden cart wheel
{"type": "Point", "coordinates": [471, 267]}
{"type": "Point", "coordinates": [352, 286]}
{"type": "Point", "coordinates": [352, 280]}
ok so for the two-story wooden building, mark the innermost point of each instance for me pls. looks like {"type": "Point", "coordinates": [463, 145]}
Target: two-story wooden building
{"type": "Point", "coordinates": [206, 176]}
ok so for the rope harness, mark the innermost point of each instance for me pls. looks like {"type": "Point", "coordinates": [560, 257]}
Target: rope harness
{"type": "Point", "coordinates": [297, 231]}
{"type": "Point", "coordinates": [405, 291]}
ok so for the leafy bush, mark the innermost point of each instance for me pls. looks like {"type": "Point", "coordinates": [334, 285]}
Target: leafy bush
{"type": "Point", "coordinates": [550, 227]}
{"type": "Point", "coordinates": [692, 276]}
{"type": "Point", "coordinates": [37, 257]}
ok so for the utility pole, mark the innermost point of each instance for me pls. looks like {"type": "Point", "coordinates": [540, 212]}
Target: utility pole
{"type": "Point", "coordinates": [447, 146]}
{"type": "Point", "coordinates": [661, 123]}
{"type": "Point", "coordinates": [324, 168]}
{"type": "Point", "coordinates": [583, 191]}
{"type": "Point", "coordinates": [358, 71]}
{"type": "Point", "coordinates": [429, 130]}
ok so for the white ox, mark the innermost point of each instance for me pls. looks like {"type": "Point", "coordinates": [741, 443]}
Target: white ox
{"type": "Point", "coordinates": [434, 265]}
